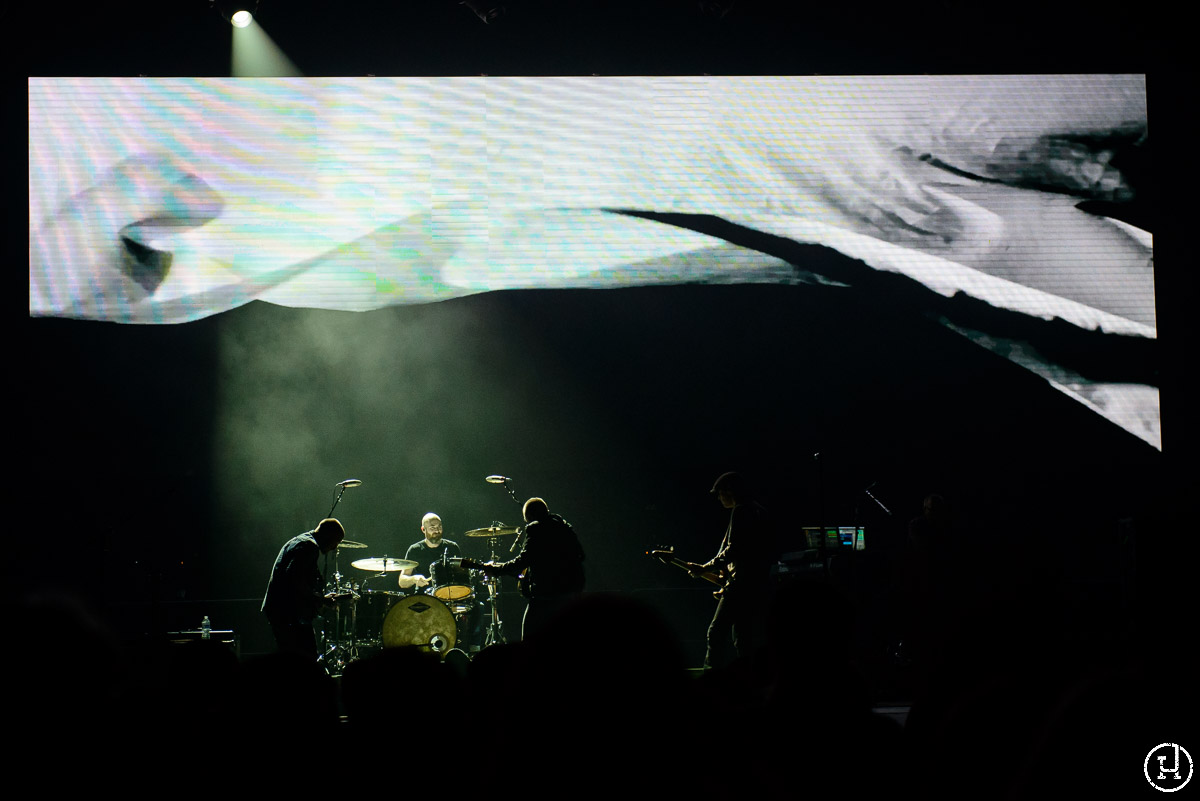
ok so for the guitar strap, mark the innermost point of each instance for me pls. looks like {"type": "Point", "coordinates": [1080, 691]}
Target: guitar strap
{"type": "Point", "coordinates": [720, 557]}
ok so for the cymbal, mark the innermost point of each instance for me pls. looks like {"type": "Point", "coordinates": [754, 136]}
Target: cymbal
{"type": "Point", "coordinates": [351, 544]}
{"type": "Point", "coordinates": [378, 565]}
{"type": "Point", "coordinates": [493, 531]}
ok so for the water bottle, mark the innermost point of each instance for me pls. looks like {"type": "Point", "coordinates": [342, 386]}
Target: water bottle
{"type": "Point", "coordinates": [206, 628]}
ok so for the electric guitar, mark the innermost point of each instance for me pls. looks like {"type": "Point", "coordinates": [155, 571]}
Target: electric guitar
{"type": "Point", "coordinates": [717, 576]}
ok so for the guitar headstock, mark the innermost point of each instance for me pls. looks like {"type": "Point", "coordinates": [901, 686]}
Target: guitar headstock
{"type": "Point", "coordinates": [663, 552]}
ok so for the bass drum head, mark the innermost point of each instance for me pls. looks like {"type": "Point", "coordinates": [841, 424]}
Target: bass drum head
{"type": "Point", "coordinates": [420, 620]}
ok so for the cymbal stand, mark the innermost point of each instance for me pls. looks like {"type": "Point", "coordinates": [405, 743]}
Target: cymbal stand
{"type": "Point", "coordinates": [339, 651]}
{"type": "Point", "coordinates": [495, 627]}
{"type": "Point", "coordinates": [338, 654]}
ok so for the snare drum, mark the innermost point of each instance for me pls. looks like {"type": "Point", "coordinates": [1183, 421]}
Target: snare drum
{"type": "Point", "coordinates": [452, 584]}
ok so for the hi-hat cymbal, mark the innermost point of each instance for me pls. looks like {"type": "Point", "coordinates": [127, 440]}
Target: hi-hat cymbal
{"type": "Point", "coordinates": [351, 544]}
{"type": "Point", "coordinates": [493, 531]}
{"type": "Point", "coordinates": [380, 565]}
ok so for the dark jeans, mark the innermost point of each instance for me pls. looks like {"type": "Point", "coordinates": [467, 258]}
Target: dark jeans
{"type": "Point", "coordinates": [738, 628]}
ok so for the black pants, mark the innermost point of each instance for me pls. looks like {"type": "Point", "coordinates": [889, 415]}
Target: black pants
{"type": "Point", "coordinates": [540, 611]}
{"type": "Point", "coordinates": [296, 638]}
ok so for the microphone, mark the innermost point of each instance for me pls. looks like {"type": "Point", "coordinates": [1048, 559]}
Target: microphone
{"type": "Point", "coordinates": [350, 482]}
{"type": "Point", "coordinates": [497, 479]}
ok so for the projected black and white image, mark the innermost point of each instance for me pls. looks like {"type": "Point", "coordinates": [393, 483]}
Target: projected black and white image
{"type": "Point", "coordinates": [991, 204]}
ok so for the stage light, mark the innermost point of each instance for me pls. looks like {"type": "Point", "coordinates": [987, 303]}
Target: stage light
{"type": "Point", "coordinates": [239, 13]}
{"type": "Point", "coordinates": [253, 54]}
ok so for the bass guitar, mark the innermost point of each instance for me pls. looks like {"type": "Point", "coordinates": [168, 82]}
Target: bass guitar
{"type": "Point", "coordinates": [716, 576]}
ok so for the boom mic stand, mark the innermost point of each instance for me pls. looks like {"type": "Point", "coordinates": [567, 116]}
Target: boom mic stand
{"type": "Point", "coordinates": [495, 629]}
{"type": "Point", "coordinates": [339, 652]}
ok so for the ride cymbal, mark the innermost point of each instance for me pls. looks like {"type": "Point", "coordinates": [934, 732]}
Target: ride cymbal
{"type": "Point", "coordinates": [493, 531]}
{"type": "Point", "coordinates": [381, 565]}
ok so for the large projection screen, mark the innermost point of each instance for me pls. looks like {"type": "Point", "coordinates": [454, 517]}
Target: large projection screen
{"type": "Point", "coordinates": [169, 200]}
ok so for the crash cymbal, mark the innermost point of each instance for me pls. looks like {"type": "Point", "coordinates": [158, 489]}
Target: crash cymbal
{"type": "Point", "coordinates": [351, 544]}
{"type": "Point", "coordinates": [493, 531]}
{"type": "Point", "coordinates": [379, 565]}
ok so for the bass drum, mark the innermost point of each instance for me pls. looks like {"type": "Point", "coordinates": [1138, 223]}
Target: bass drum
{"type": "Point", "coordinates": [420, 620]}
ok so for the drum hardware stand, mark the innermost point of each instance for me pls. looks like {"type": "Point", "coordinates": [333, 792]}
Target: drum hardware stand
{"type": "Point", "coordinates": [339, 652]}
{"type": "Point", "coordinates": [495, 628]}
{"type": "Point", "coordinates": [335, 659]}
{"type": "Point", "coordinates": [494, 633]}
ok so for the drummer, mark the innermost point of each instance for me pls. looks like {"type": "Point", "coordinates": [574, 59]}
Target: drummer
{"type": "Point", "coordinates": [427, 551]}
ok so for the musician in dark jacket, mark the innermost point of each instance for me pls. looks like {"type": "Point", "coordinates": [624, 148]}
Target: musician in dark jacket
{"type": "Point", "coordinates": [550, 565]}
{"type": "Point", "coordinates": [294, 592]}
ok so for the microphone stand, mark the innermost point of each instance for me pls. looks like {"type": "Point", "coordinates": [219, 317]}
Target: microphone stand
{"type": "Point", "coordinates": [495, 629]}
{"type": "Point", "coordinates": [505, 481]}
{"type": "Point", "coordinates": [511, 492]}
{"type": "Point", "coordinates": [343, 486]}
{"type": "Point", "coordinates": [337, 500]}
{"type": "Point", "coordinates": [334, 666]}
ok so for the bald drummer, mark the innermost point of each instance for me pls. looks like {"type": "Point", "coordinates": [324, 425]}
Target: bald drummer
{"type": "Point", "coordinates": [426, 551]}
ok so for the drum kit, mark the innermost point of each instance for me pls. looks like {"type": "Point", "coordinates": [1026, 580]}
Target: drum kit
{"type": "Point", "coordinates": [361, 620]}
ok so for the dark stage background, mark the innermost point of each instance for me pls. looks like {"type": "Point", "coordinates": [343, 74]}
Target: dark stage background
{"type": "Point", "coordinates": [170, 462]}
{"type": "Point", "coordinates": [196, 450]}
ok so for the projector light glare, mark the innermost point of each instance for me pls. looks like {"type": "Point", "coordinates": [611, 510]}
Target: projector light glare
{"type": "Point", "coordinates": [241, 19]}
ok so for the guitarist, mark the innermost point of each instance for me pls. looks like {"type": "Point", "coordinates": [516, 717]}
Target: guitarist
{"type": "Point", "coordinates": [550, 565]}
{"type": "Point", "coordinates": [738, 627]}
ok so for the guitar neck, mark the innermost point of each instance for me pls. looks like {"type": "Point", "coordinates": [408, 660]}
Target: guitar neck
{"type": "Point", "coordinates": [708, 575]}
